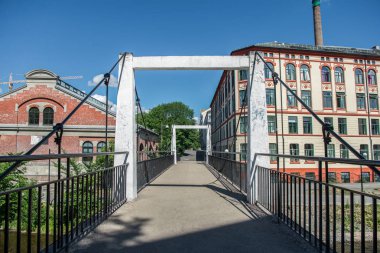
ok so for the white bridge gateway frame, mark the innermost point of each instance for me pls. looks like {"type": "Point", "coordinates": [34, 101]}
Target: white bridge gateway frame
{"type": "Point", "coordinates": [199, 127]}
{"type": "Point", "coordinates": [125, 134]}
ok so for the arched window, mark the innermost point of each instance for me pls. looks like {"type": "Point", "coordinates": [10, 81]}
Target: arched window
{"type": "Point", "coordinates": [359, 76]}
{"type": "Point", "coordinates": [48, 116]}
{"type": "Point", "coordinates": [87, 148]}
{"type": "Point", "coordinates": [305, 73]}
{"type": "Point", "coordinates": [34, 116]}
{"type": "Point", "coordinates": [339, 75]}
{"type": "Point", "coordinates": [290, 72]}
{"type": "Point", "coordinates": [372, 77]}
{"type": "Point", "coordinates": [326, 75]}
{"type": "Point", "coordinates": [268, 71]}
{"type": "Point", "coordinates": [141, 147]}
{"type": "Point", "coordinates": [100, 147]}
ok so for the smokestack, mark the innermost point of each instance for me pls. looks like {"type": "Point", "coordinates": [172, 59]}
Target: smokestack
{"type": "Point", "coordinates": [318, 37]}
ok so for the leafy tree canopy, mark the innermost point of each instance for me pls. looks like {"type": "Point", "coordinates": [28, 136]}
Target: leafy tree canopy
{"type": "Point", "coordinates": [162, 117]}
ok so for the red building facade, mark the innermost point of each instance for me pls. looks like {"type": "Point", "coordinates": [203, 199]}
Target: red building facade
{"type": "Point", "coordinates": [29, 112]}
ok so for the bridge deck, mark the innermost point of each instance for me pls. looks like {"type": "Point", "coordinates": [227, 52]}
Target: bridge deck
{"type": "Point", "coordinates": [187, 209]}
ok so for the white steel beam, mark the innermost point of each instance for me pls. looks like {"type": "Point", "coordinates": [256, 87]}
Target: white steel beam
{"type": "Point", "coordinates": [191, 62]}
{"type": "Point", "coordinates": [258, 138]}
{"type": "Point", "coordinates": [125, 133]}
{"type": "Point", "coordinates": [174, 136]}
{"type": "Point", "coordinates": [190, 126]}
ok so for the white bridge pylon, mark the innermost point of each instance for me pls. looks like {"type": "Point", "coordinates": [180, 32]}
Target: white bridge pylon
{"type": "Point", "coordinates": [199, 127]}
{"type": "Point", "coordinates": [125, 132]}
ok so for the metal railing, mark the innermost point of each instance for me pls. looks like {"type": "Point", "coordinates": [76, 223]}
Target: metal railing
{"type": "Point", "coordinates": [233, 170]}
{"type": "Point", "coordinates": [48, 216]}
{"type": "Point", "coordinates": [328, 216]}
{"type": "Point", "coordinates": [148, 170]}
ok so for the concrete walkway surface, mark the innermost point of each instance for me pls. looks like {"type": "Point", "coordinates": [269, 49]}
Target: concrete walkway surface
{"type": "Point", "coordinates": [187, 209]}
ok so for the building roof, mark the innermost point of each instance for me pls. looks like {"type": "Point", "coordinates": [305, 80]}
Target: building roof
{"type": "Point", "coordinates": [375, 51]}
{"type": "Point", "coordinates": [356, 52]}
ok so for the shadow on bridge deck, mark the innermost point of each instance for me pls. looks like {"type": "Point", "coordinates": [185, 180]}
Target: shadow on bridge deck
{"type": "Point", "coordinates": [187, 209]}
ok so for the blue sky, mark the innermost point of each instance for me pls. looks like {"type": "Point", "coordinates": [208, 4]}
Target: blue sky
{"type": "Point", "coordinates": [84, 37]}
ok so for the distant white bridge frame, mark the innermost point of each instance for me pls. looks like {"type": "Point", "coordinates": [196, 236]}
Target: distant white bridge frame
{"type": "Point", "coordinates": [125, 134]}
{"type": "Point", "coordinates": [199, 127]}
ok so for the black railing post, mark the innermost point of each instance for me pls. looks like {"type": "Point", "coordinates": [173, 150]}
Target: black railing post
{"type": "Point", "coordinates": [320, 206]}
{"type": "Point", "coordinates": [58, 140]}
{"type": "Point", "coordinates": [279, 204]}
{"type": "Point", "coordinates": [106, 83]}
{"type": "Point", "coordinates": [327, 128]}
{"type": "Point", "coordinates": [67, 201]}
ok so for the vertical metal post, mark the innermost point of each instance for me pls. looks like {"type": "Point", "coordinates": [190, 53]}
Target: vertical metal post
{"type": "Point", "coordinates": [320, 220]}
{"type": "Point", "coordinates": [326, 141]}
{"type": "Point", "coordinates": [279, 204]}
{"type": "Point", "coordinates": [106, 82]}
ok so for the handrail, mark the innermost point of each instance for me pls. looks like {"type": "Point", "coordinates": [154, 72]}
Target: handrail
{"type": "Point", "coordinates": [226, 159]}
{"type": "Point", "coordinates": [325, 126]}
{"type": "Point", "coordinates": [55, 156]}
{"type": "Point", "coordinates": [153, 152]}
{"type": "Point", "coordinates": [324, 159]}
{"type": "Point", "coordinates": [228, 153]}
{"type": "Point", "coordinates": [324, 183]}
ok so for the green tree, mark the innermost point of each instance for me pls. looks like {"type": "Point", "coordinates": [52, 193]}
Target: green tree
{"type": "Point", "coordinates": [162, 117]}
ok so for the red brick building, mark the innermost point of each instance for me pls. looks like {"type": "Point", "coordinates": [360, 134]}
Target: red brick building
{"type": "Point", "coordinates": [29, 112]}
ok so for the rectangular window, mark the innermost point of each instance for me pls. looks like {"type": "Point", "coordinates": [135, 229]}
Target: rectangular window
{"type": "Point", "coordinates": [307, 125]}
{"type": "Point", "coordinates": [376, 152]}
{"type": "Point", "coordinates": [327, 99]}
{"type": "Point", "coordinates": [341, 100]}
{"type": "Point", "coordinates": [309, 150]}
{"type": "Point", "coordinates": [270, 97]}
{"type": "Point", "coordinates": [364, 150]}
{"type": "Point", "coordinates": [306, 97]}
{"type": "Point", "coordinates": [293, 124]}
{"type": "Point", "coordinates": [342, 125]}
{"type": "Point", "coordinates": [243, 124]}
{"type": "Point", "coordinates": [292, 102]}
{"type": "Point", "coordinates": [343, 152]}
{"type": "Point", "coordinates": [375, 128]}
{"type": "Point", "coordinates": [242, 96]}
{"type": "Point", "coordinates": [310, 175]}
{"type": "Point", "coordinates": [345, 177]}
{"type": "Point", "coordinates": [360, 101]}
{"type": "Point", "coordinates": [366, 177]}
{"type": "Point", "coordinates": [332, 177]}
{"type": "Point", "coordinates": [373, 102]}
{"type": "Point", "coordinates": [271, 124]}
{"type": "Point", "coordinates": [362, 123]}
{"type": "Point", "coordinates": [243, 75]}
{"type": "Point", "coordinates": [329, 120]}
{"type": "Point", "coordinates": [331, 150]}
{"type": "Point", "coordinates": [273, 150]}
{"type": "Point", "coordinates": [243, 151]}
{"type": "Point", "coordinates": [294, 150]}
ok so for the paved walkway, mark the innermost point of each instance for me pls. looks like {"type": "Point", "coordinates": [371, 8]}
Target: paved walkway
{"type": "Point", "coordinates": [187, 209]}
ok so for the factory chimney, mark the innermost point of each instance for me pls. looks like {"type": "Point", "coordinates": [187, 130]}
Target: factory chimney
{"type": "Point", "coordinates": [318, 37]}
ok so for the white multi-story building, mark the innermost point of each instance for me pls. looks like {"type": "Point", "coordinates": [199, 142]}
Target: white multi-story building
{"type": "Point", "coordinates": [340, 84]}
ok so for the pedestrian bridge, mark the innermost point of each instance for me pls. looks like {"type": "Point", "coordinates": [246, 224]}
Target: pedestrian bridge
{"type": "Point", "coordinates": [190, 208]}
{"type": "Point", "coordinates": [223, 205]}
